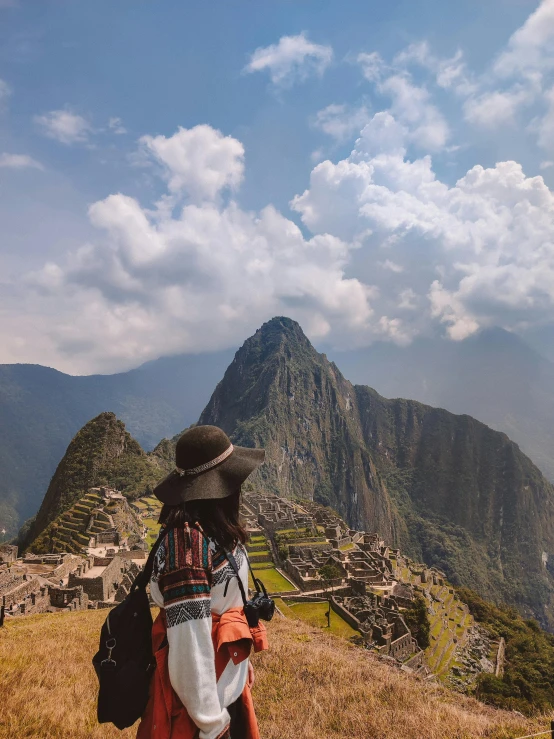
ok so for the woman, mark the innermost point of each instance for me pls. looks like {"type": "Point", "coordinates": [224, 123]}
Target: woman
{"type": "Point", "coordinates": [201, 639]}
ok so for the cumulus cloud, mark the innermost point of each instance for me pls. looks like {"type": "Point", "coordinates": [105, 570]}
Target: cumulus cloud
{"type": "Point", "coordinates": [194, 277]}
{"type": "Point", "coordinates": [293, 59]}
{"type": "Point", "coordinates": [198, 161]}
{"type": "Point", "coordinates": [64, 126]}
{"type": "Point", "coordinates": [487, 241]}
{"type": "Point", "coordinates": [341, 121]}
{"type": "Point", "coordinates": [19, 161]}
{"type": "Point", "coordinates": [411, 104]}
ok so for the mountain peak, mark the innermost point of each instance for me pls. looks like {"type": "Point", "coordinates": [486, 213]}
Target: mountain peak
{"type": "Point", "coordinates": [278, 331]}
{"type": "Point", "coordinates": [101, 453]}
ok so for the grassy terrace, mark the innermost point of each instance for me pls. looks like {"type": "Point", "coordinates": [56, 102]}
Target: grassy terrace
{"type": "Point", "coordinates": [448, 623]}
{"type": "Point", "coordinates": [314, 615]}
{"type": "Point", "coordinates": [272, 579]}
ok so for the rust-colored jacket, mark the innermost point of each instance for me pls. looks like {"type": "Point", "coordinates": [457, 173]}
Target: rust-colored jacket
{"type": "Point", "coordinates": [165, 716]}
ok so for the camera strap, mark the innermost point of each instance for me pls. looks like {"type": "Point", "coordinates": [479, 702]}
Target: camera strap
{"type": "Point", "coordinates": [233, 562]}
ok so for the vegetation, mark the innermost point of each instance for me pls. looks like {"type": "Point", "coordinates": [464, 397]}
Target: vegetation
{"type": "Point", "coordinates": [272, 579]}
{"type": "Point", "coordinates": [309, 684]}
{"type": "Point", "coordinates": [528, 681]}
{"type": "Point", "coordinates": [102, 453]}
{"type": "Point", "coordinates": [417, 620]}
{"type": "Point", "coordinates": [315, 614]}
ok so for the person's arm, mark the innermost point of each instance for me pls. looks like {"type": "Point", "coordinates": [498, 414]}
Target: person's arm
{"type": "Point", "coordinates": [185, 586]}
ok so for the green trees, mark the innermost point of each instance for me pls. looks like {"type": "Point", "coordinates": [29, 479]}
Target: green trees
{"type": "Point", "coordinates": [417, 620]}
{"type": "Point", "coordinates": [528, 681]}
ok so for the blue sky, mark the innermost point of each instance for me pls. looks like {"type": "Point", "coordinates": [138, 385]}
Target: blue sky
{"type": "Point", "coordinates": [173, 174]}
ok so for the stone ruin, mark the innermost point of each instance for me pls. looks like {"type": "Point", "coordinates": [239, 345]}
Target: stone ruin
{"type": "Point", "coordinates": [41, 583]}
{"type": "Point", "coordinates": [275, 514]}
{"type": "Point", "coordinates": [8, 553]}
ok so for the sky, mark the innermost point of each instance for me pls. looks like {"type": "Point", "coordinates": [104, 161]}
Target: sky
{"type": "Point", "coordinates": [173, 174]}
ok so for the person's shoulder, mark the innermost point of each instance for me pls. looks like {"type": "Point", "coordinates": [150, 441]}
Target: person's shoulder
{"type": "Point", "coordinates": [187, 546]}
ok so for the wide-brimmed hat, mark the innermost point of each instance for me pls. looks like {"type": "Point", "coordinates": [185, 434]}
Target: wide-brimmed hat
{"type": "Point", "coordinates": [208, 465]}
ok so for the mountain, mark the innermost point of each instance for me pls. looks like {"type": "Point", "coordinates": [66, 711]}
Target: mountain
{"type": "Point", "coordinates": [494, 376]}
{"type": "Point", "coordinates": [41, 410]}
{"type": "Point", "coordinates": [102, 453]}
{"type": "Point", "coordinates": [447, 489]}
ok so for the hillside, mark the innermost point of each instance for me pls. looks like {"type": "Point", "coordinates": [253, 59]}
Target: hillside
{"type": "Point", "coordinates": [309, 684]}
{"type": "Point", "coordinates": [101, 453]}
{"type": "Point", "coordinates": [446, 489]}
{"type": "Point", "coordinates": [41, 410]}
{"type": "Point", "coordinates": [494, 376]}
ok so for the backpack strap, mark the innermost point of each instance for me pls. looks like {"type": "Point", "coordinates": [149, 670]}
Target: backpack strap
{"type": "Point", "coordinates": [143, 578]}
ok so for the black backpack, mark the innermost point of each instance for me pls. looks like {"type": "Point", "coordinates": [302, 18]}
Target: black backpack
{"type": "Point", "coordinates": [124, 662]}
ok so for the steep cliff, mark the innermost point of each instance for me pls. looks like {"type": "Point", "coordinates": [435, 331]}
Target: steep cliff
{"type": "Point", "coordinates": [446, 488]}
{"type": "Point", "coordinates": [101, 453]}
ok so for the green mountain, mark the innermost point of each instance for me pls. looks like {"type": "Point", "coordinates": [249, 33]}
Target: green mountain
{"type": "Point", "coordinates": [102, 453]}
{"type": "Point", "coordinates": [494, 376]}
{"type": "Point", "coordinates": [41, 410]}
{"type": "Point", "coordinates": [446, 489]}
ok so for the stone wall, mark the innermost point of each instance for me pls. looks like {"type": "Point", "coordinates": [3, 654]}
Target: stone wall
{"type": "Point", "coordinates": [21, 589]}
{"type": "Point", "coordinates": [346, 615]}
{"type": "Point", "coordinates": [8, 553]}
{"type": "Point", "coordinates": [105, 584]}
{"type": "Point", "coordinates": [73, 598]}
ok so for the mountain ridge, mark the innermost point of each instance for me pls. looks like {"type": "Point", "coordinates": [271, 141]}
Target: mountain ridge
{"type": "Point", "coordinates": [445, 488]}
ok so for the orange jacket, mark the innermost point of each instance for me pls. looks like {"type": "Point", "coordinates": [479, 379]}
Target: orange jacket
{"type": "Point", "coordinates": [165, 716]}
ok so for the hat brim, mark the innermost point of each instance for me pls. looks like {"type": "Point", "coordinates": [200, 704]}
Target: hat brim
{"type": "Point", "coordinates": [219, 482]}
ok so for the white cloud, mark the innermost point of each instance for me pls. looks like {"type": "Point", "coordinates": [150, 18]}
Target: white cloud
{"type": "Point", "coordinates": [64, 126]}
{"type": "Point", "coordinates": [19, 161]}
{"type": "Point", "coordinates": [292, 60]}
{"type": "Point", "coordinates": [341, 121]}
{"type": "Point", "coordinates": [116, 125]}
{"type": "Point", "coordinates": [450, 73]}
{"type": "Point", "coordinates": [530, 50]}
{"type": "Point", "coordinates": [393, 266]}
{"type": "Point", "coordinates": [492, 109]}
{"type": "Point", "coordinates": [198, 161]}
{"type": "Point", "coordinates": [160, 281]}
{"type": "Point", "coordinates": [411, 104]}
{"type": "Point", "coordinates": [372, 65]}
{"type": "Point", "coordinates": [478, 253]}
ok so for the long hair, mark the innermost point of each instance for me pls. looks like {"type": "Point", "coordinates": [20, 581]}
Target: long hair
{"type": "Point", "coordinates": [218, 517]}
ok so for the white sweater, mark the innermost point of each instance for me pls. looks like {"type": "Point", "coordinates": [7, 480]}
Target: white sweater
{"type": "Point", "coordinates": [189, 579]}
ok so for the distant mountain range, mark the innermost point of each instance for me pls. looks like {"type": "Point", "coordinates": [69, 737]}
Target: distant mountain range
{"type": "Point", "coordinates": [41, 410]}
{"type": "Point", "coordinates": [445, 488]}
{"type": "Point", "coordinates": [495, 377]}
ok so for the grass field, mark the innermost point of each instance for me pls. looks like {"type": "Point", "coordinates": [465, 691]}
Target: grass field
{"type": "Point", "coordinates": [314, 614]}
{"type": "Point", "coordinates": [273, 580]}
{"type": "Point", "coordinates": [309, 685]}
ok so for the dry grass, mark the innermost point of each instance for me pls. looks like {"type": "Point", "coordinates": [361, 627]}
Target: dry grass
{"type": "Point", "coordinates": [310, 685]}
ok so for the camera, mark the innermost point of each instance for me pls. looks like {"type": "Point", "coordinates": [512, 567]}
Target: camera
{"type": "Point", "coordinates": [261, 606]}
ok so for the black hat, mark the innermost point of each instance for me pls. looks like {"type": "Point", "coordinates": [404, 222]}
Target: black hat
{"type": "Point", "coordinates": [208, 465]}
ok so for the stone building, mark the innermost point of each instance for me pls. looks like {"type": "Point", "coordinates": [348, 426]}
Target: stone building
{"type": "Point", "coordinates": [8, 553]}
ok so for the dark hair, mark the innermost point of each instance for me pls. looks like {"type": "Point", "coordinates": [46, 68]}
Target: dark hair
{"type": "Point", "coordinates": [218, 517]}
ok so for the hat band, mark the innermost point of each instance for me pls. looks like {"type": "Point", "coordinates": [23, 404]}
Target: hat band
{"type": "Point", "coordinates": [207, 465]}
